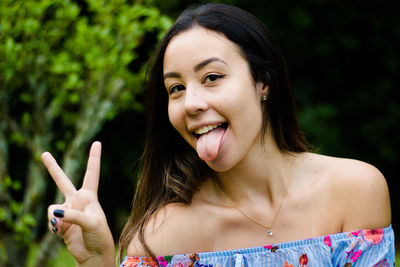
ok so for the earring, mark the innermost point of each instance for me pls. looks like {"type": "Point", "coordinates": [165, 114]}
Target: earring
{"type": "Point", "coordinates": [264, 98]}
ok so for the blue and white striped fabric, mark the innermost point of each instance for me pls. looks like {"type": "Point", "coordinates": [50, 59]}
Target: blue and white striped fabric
{"type": "Point", "coordinates": [359, 248]}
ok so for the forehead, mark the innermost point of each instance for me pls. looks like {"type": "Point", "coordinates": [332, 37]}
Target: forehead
{"type": "Point", "coordinates": [197, 44]}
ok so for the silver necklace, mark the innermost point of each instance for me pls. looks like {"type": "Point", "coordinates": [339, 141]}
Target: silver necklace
{"type": "Point", "coordinates": [268, 227]}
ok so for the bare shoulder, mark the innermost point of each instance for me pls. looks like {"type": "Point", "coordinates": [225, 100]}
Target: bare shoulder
{"type": "Point", "coordinates": [169, 231]}
{"type": "Point", "coordinates": [360, 193]}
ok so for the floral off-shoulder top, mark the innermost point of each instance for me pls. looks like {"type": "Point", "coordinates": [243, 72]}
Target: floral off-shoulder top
{"type": "Point", "coordinates": [364, 248]}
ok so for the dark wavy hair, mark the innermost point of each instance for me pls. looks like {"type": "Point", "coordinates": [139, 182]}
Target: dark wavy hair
{"type": "Point", "coordinates": [172, 170]}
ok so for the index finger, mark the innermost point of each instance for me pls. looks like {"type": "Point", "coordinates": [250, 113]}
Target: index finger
{"type": "Point", "coordinates": [92, 175]}
{"type": "Point", "coordinates": [60, 178]}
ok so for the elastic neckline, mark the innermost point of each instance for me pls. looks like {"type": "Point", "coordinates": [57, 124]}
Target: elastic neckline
{"type": "Point", "coordinates": [316, 241]}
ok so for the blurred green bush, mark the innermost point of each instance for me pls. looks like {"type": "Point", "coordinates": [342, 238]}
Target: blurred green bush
{"type": "Point", "coordinates": [65, 68]}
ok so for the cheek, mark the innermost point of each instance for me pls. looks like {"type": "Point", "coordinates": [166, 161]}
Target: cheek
{"type": "Point", "coordinates": [175, 118]}
{"type": "Point", "coordinates": [171, 116]}
{"type": "Point", "coordinates": [242, 103]}
{"type": "Point", "coordinates": [245, 111]}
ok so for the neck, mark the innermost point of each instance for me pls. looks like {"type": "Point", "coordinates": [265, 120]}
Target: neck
{"type": "Point", "coordinates": [263, 175]}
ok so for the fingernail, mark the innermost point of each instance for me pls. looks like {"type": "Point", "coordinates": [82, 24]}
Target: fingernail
{"type": "Point", "coordinates": [55, 230]}
{"type": "Point", "coordinates": [53, 221]}
{"type": "Point", "coordinates": [59, 213]}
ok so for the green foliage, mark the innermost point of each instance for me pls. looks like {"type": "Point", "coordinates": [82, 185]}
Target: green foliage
{"type": "Point", "coordinates": [12, 216]}
{"type": "Point", "coordinates": [64, 258]}
{"type": "Point", "coordinates": [66, 67]}
{"type": "Point", "coordinates": [56, 55]}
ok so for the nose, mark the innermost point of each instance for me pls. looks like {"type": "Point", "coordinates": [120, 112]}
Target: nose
{"type": "Point", "coordinates": [195, 101]}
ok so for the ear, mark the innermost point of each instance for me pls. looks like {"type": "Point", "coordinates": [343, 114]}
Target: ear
{"type": "Point", "coordinates": [262, 89]}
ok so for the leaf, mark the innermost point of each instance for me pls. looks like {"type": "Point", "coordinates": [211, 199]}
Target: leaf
{"type": "Point", "coordinates": [74, 98]}
{"type": "Point", "coordinates": [4, 214]}
{"type": "Point", "coordinates": [15, 206]}
{"type": "Point", "coordinates": [28, 220]}
{"type": "Point", "coordinates": [26, 97]}
{"type": "Point", "coordinates": [26, 119]}
{"type": "Point", "coordinates": [17, 138]}
{"type": "Point", "coordinates": [16, 186]}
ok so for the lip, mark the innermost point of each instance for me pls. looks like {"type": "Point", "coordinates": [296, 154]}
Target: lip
{"type": "Point", "coordinates": [198, 126]}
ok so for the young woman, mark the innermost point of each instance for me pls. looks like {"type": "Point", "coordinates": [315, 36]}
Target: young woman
{"type": "Point", "coordinates": [227, 179]}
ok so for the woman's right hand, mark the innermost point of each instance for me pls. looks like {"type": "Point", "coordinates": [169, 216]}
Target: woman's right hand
{"type": "Point", "coordinates": [80, 220]}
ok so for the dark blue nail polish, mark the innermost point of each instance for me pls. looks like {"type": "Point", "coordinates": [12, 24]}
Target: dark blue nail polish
{"type": "Point", "coordinates": [53, 221]}
{"type": "Point", "coordinates": [55, 230]}
{"type": "Point", "coordinates": [59, 213]}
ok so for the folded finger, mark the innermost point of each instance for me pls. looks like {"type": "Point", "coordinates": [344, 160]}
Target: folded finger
{"type": "Point", "coordinates": [51, 209]}
{"type": "Point", "coordinates": [58, 175]}
{"type": "Point", "coordinates": [54, 227]}
{"type": "Point", "coordinates": [68, 217]}
{"type": "Point", "coordinates": [92, 175]}
{"type": "Point", "coordinates": [54, 223]}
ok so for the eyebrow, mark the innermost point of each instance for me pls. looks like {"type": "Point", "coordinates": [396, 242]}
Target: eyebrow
{"type": "Point", "coordinates": [171, 75]}
{"type": "Point", "coordinates": [196, 68]}
{"type": "Point", "coordinates": [204, 63]}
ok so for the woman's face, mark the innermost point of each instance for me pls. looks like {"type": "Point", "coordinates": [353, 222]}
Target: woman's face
{"type": "Point", "coordinates": [214, 103]}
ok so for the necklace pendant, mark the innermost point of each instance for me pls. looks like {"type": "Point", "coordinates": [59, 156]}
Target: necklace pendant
{"type": "Point", "coordinates": [270, 232]}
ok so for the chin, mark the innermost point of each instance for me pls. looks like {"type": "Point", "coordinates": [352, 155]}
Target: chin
{"type": "Point", "coordinates": [218, 165]}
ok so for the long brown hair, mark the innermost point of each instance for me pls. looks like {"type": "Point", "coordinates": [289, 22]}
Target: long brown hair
{"type": "Point", "coordinates": [172, 170]}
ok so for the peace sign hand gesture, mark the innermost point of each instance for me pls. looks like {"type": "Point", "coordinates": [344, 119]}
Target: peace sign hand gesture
{"type": "Point", "coordinates": [80, 220]}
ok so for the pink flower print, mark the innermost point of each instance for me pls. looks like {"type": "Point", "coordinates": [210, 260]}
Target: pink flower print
{"type": "Point", "coordinates": [382, 263]}
{"type": "Point", "coordinates": [162, 262]}
{"type": "Point", "coordinates": [179, 264]}
{"type": "Point", "coordinates": [268, 246]}
{"type": "Point", "coordinates": [353, 253]}
{"type": "Point", "coordinates": [356, 255]}
{"type": "Point", "coordinates": [271, 247]}
{"type": "Point", "coordinates": [373, 236]}
{"type": "Point", "coordinates": [327, 241]}
{"type": "Point", "coordinates": [356, 233]}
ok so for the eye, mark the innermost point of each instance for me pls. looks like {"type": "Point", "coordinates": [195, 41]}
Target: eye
{"type": "Point", "coordinates": [212, 77]}
{"type": "Point", "coordinates": [176, 88]}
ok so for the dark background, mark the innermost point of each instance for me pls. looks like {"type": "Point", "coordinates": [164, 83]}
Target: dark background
{"type": "Point", "coordinates": [343, 60]}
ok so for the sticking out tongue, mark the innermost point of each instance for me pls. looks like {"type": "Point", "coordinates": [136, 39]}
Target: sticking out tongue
{"type": "Point", "coordinates": [209, 144]}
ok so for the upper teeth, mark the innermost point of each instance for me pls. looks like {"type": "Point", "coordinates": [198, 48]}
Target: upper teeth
{"type": "Point", "coordinates": [206, 129]}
